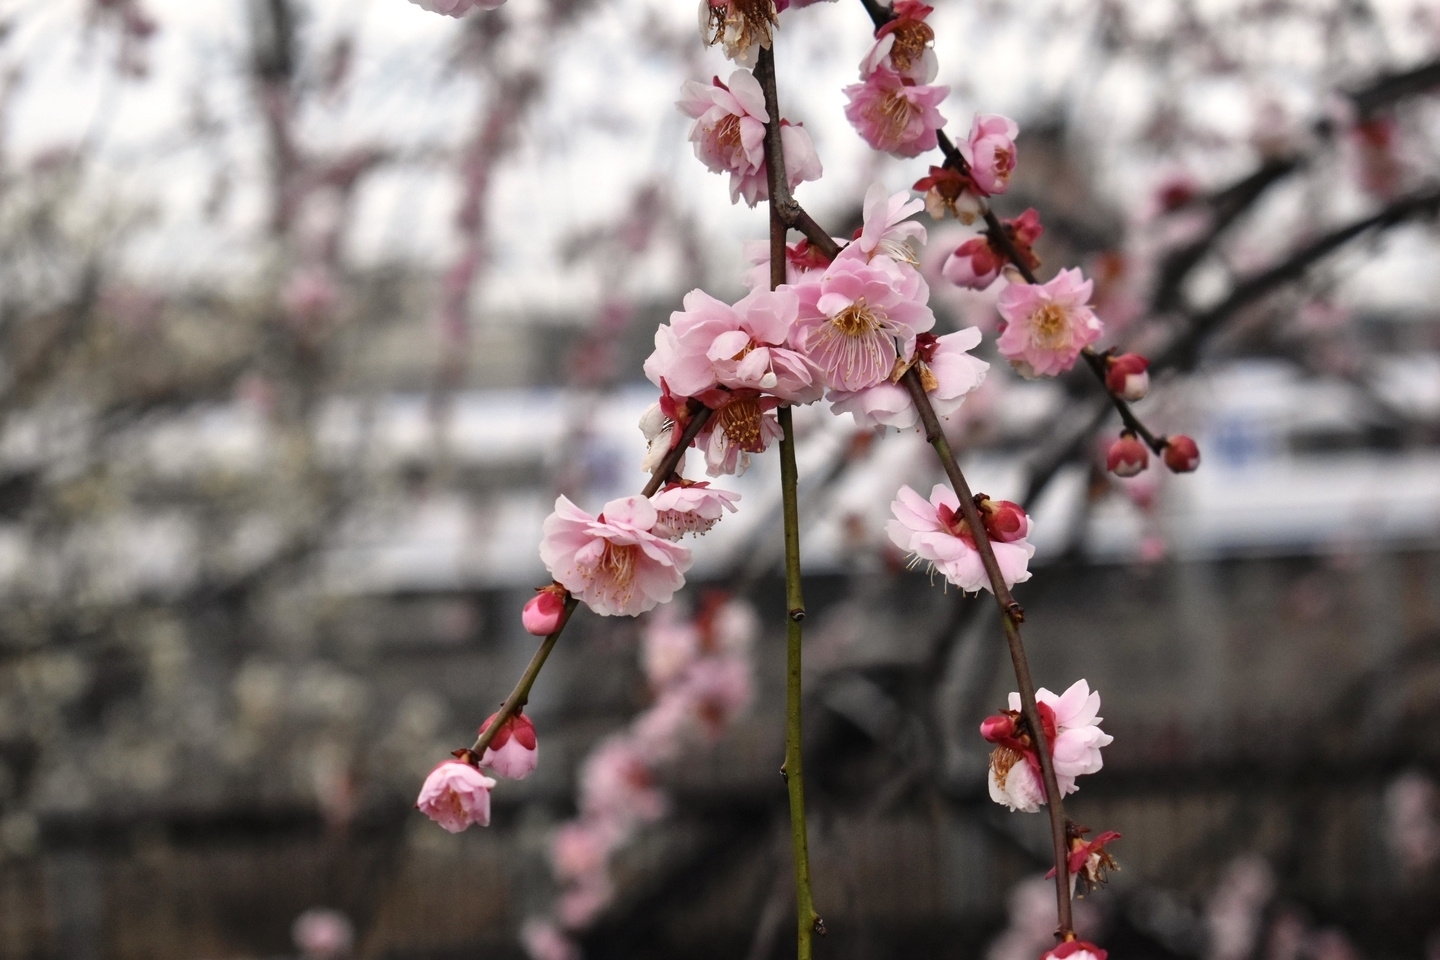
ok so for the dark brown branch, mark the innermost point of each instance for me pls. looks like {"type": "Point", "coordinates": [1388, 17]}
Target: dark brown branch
{"type": "Point", "coordinates": [1010, 617]}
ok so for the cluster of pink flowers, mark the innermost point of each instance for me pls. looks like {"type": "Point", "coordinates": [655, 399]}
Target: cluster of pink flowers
{"type": "Point", "coordinates": [699, 673]}
{"type": "Point", "coordinates": [729, 135]}
{"type": "Point", "coordinates": [457, 794]}
{"type": "Point", "coordinates": [894, 107]}
{"type": "Point", "coordinates": [1072, 734]}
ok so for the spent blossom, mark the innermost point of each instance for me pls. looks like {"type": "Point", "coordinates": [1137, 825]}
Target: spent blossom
{"type": "Point", "coordinates": [947, 372]}
{"type": "Point", "coordinates": [976, 263]}
{"type": "Point", "coordinates": [904, 44]}
{"type": "Point", "coordinates": [729, 135]}
{"type": "Point", "coordinates": [990, 152]}
{"type": "Point", "coordinates": [1047, 324]}
{"type": "Point", "coordinates": [686, 506]}
{"type": "Point", "coordinates": [851, 319]}
{"type": "Point", "coordinates": [894, 114]}
{"type": "Point", "coordinates": [615, 563]}
{"type": "Point", "coordinates": [1089, 862]}
{"type": "Point", "coordinates": [936, 531]}
{"type": "Point", "coordinates": [456, 795]}
{"type": "Point", "coordinates": [949, 191]}
{"type": "Point", "coordinates": [741, 27]}
{"type": "Point", "coordinates": [514, 750]}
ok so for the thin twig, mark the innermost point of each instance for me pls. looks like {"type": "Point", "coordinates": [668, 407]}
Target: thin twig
{"type": "Point", "coordinates": [1010, 617]}
{"type": "Point", "coordinates": [784, 212]}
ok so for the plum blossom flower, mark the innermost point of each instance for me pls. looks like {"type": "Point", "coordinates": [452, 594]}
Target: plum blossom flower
{"type": "Point", "coordinates": [904, 44]}
{"type": "Point", "coordinates": [1075, 950]}
{"type": "Point", "coordinates": [617, 785]}
{"type": "Point", "coordinates": [614, 562]}
{"type": "Point", "coordinates": [936, 531]}
{"type": "Point", "coordinates": [456, 795]}
{"type": "Point", "coordinates": [990, 151]}
{"type": "Point", "coordinates": [457, 8]}
{"type": "Point", "coordinates": [895, 115]}
{"type": "Point", "coordinates": [741, 27]}
{"type": "Point", "coordinates": [1072, 733]}
{"type": "Point", "coordinates": [542, 613]}
{"type": "Point", "coordinates": [743, 423]}
{"type": "Point", "coordinates": [947, 371]}
{"type": "Point", "coordinates": [1127, 457]}
{"type": "Point", "coordinates": [513, 751]}
{"type": "Point", "coordinates": [543, 940]}
{"type": "Point", "coordinates": [1047, 324]}
{"type": "Point", "coordinates": [976, 263]}
{"type": "Point", "coordinates": [670, 644]}
{"type": "Point", "coordinates": [851, 319]}
{"type": "Point", "coordinates": [949, 191]}
{"type": "Point", "coordinates": [1089, 862]}
{"type": "Point", "coordinates": [885, 231]}
{"type": "Point", "coordinates": [803, 261]}
{"type": "Point", "coordinates": [323, 934]}
{"type": "Point", "coordinates": [1181, 454]}
{"type": "Point", "coordinates": [689, 507]}
{"type": "Point", "coordinates": [743, 347]}
{"type": "Point", "coordinates": [729, 135]}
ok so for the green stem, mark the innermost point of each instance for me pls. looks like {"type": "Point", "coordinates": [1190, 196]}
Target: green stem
{"type": "Point", "coordinates": [807, 921]}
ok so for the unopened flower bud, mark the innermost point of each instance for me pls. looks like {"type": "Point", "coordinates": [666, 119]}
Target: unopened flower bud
{"type": "Point", "coordinates": [1004, 521]}
{"type": "Point", "coordinates": [513, 751]}
{"type": "Point", "coordinates": [1181, 454]}
{"type": "Point", "coordinates": [542, 613]}
{"type": "Point", "coordinates": [1127, 456]}
{"type": "Point", "coordinates": [1074, 950]}
{"type": "Point", "coordinates": [1127, 377]}
{"type": "Point", "coordinates": [997, 728]}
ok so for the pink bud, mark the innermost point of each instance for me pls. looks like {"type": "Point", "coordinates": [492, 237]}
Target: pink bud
{"type": "Point", "coordinates": [456, 795]}
{"type": "Point", "coordinates": [997, 728]}
{"type": "Point", "coordinates": [1074, 950]}
{"type": "Point", "coordinates": [1127, 456]}
{"type": "Point", "coordinates": [542, 613]}
{"type": "Point", "coordinates": [1005, 521]}
{"type": "Point", "coordinates": [1126, 377]}
{"type": "Point", "coordinates": [1181, 454]}
{"type": "Point", "coordinates": [514, 750]}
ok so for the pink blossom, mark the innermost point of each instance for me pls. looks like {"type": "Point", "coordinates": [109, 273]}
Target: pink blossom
{"type": "Point", "coordinates": [850, 320]}
{"type": "Point", "coordinates": [310, 295]}
{"type": "Point", "coordinates": [456, 795]}
{"type": "Point", "coordinates": [323, 934]}
{"type": "Point", "coordinates": [614, 563]}
{"type": "Point", "coordinates": [616, 785]}
{"type": "Point", "coordinates": [894, 115]}
{"type": "Point", "coordinates": [990, 151]}
{"type": "Point", "coordinates": [743, 347]}
{"type": "Point", "coordinates": [513, 751]}
{"type": "Point", "coordinates": [670, 644]}
{"type": "Point", "coordinates": [690, 507]}
{"type": "Point", "coordinates": [936, 531]}
{"type": "Point", "coordinates": [582, 902]}
{"type": "Point", "coordinates": [457, 8]}
{"type": "Point", "coordinates": [743, 423]}
{"type": "Point", "coordinates": [1127, 457]}
{"type": "Point", "coordinates": [1075, 950]}
{"type": "Point", "coordinates": [729, 136]}
{"type": "Point", "coordinates": [976, 263]}
{"type": "Point", "coordinates": [904, 44]}
{"type": "Point", "coordinates": [581, 847]}
{"type": "Point", "coordinates": [1047, 324]}
{"type": "Point", "coordinates": [1126, 376]}
{"type": "Point", "coordinates": [542, 613]}
{"type": "Point", "coordinates": [885, 230]}
{"type": "Point", "coordinates": [947, 371]}
{"type": "Point", "coordinates": [1017, 786]}
{"type": "Point", "coordinates": [803, 261]}
{"type": "Point", "coordinates": [718, 688]}
{"type": "Point", "coordinates": [1076, 739]}
{"type": "Point", "coordinates": [1181, 454]}
{"type": "Point", "coordinates": [544, 941]}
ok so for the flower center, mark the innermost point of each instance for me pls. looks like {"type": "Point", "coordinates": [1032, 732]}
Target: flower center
{"type": "Point", "coordinates": [1051, 327]}
{"type": "Point", "coordinates": [893, 114]}
{"type": "Point", "coordinates": [856, 320]}
{"type": "Point", "coordinates": [740, 419]}
{"type": "Point", "coordinates": [911, 39]}
{"type": "Point", "coordinates": [617, 563]}
{"type": "Point", "coordinates": [727, 132]}
{"type": "Point", "coordinates": [745, 351]}
{"type": "Point", "coordinates": [1002, 760]}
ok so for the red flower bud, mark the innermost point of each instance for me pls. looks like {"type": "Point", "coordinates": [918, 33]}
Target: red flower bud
{"type": "Point", "coordinates": [542, 613]}
{"type": "Point", "coordinates": [1127, 456]}
{"type": "Point", "coordinates": [1181, 454]}
{"type": "Point", "coordinates": [1078, 949]}
{"type": "Point", "coordinates": [1004, 521]}
{"type": "Point", "coordinates": [1125, 377]}
{"type": "Point", "coordinates": [997, 728]}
